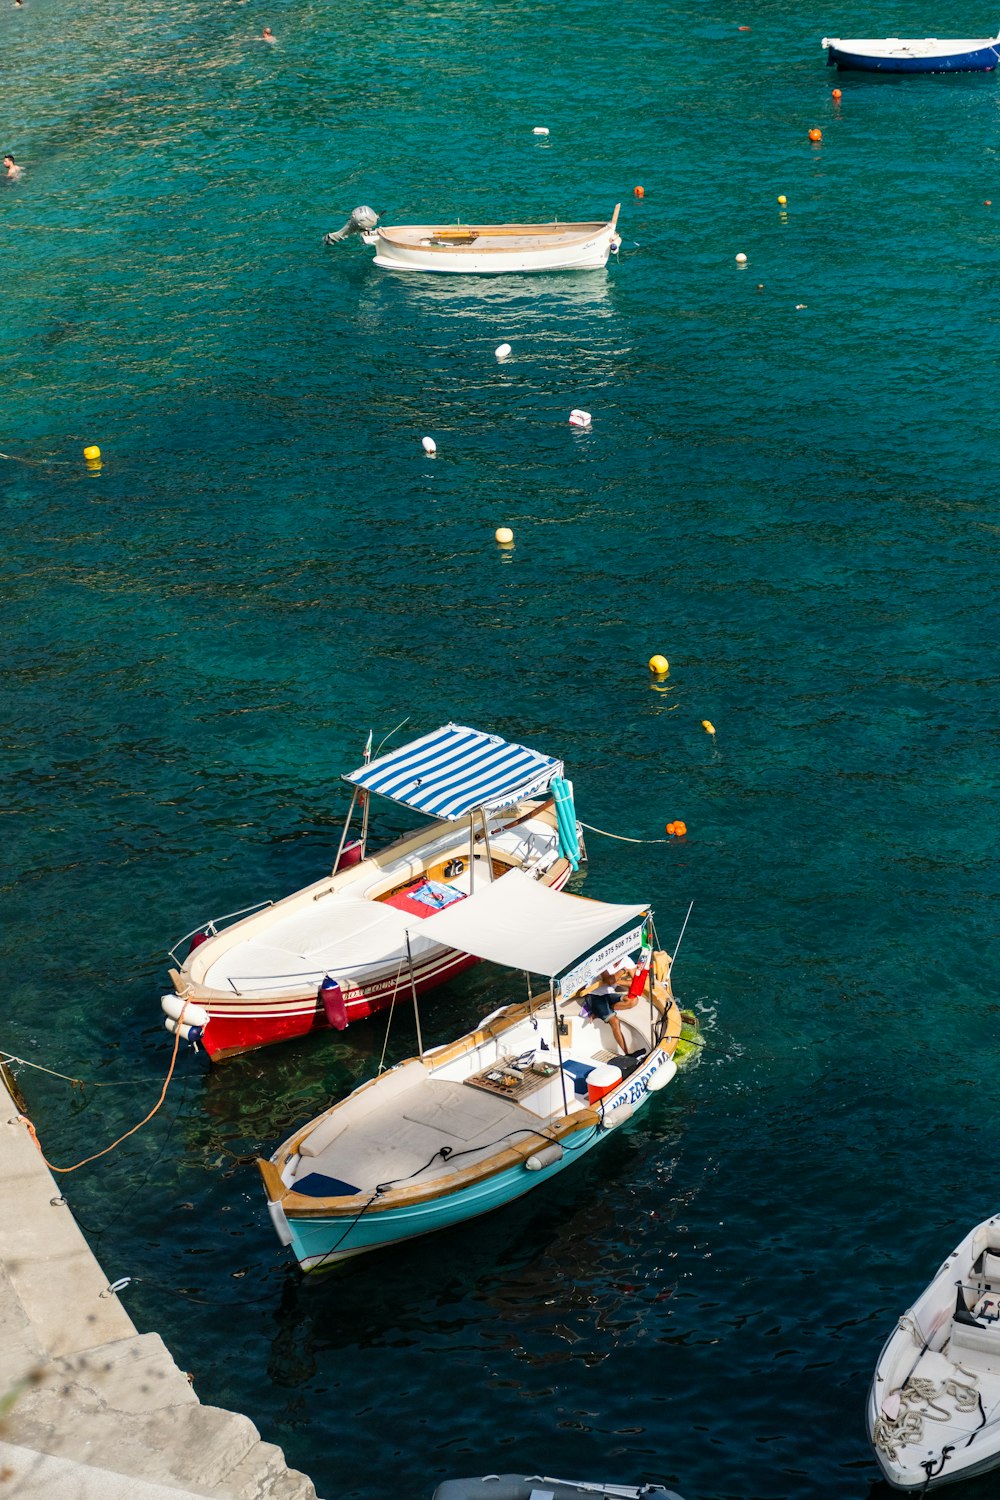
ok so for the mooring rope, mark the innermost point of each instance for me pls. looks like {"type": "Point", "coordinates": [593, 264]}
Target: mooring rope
{"type": "Point", "coordinates": [23, 1119]}
{"type": "Point", "coordinates": [920, 1399]}
{"type": "Point", "coordinates": [621, 837]}
{"type": "Point", "coordinates": [79, 1083]}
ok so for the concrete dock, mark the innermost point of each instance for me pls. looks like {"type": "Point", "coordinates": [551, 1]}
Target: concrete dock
{"type": "Point", "coordinates": [91, 1409]}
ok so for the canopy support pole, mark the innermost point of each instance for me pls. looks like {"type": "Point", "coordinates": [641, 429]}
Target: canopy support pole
{"type": "Point", "coordinates": [367, 801]}
{"type": "Point", "coordinates": [343, 836]}
{"type": "Point", "coordinates": [413, 987]}
{"type": "Point", "coordinates": [486, 836]}
{"type": "Point", "coordinates": [670, 971]}
{"type": "Point", "coordinates": [472, 850]}
{"type": "Point", "coordinates": [555, 1027]}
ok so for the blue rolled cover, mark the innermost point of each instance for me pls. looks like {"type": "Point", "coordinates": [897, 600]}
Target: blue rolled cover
{"type": "Point", "coordinates": [569, 844]}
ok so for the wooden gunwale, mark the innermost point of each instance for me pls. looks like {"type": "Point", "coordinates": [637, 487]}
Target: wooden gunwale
{"type": "Point", "coordinates": [302, 1206]}
{"type": "Point", "coordinates": [572, 235]}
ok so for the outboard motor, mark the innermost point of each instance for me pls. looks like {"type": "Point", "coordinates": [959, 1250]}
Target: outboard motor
{"type": "Point", "coordinates": [362, 221]}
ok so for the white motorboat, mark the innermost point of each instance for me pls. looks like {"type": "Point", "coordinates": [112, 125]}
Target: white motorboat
{"type": "Point", "coordinates": [348, 945]}
{"type": "Point", "coordinates": [934, 1403]}
{"type": "Point", "coordinates": [484, 249]}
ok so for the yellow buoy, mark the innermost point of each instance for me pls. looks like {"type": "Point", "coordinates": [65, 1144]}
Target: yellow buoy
{"type": "Point", "coordinates": [504, 535]}
{"type": "Point", "coordinates": [782, 199]}
{"type": "Point", "coordinates": [92, 452]}
{"type": "Point", "coordinates": [659, 664]}
{"type": "Point", "coordinates": [708, 726]}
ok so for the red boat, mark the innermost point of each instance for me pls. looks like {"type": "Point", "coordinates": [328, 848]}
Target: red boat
{"type": "Point", "coordinates": [350, 944]}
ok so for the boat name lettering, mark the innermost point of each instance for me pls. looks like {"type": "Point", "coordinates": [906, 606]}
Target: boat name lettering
{"type": "Point", "coordinates": [637, 1087]}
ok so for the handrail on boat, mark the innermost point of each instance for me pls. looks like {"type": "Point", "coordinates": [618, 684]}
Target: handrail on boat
{"type": "Point", "coordinates": [213, 924]}
{"type": "Point", "coordinates": [339, 971]}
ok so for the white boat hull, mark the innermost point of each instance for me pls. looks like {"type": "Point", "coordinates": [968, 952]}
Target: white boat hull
{"type": "Point", "coordinates": [590, 256]}
{"type": "Point", "coordinates": [933, 1411]}
{"type": "Point", "coordinates": [494, 250]}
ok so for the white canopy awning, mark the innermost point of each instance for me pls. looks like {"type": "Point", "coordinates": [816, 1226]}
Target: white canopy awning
{"type": "Point", "coordinates": [524, 925]}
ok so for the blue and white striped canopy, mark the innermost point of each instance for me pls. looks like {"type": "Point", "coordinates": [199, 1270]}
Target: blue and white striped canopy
{"type": "Point", "coordinates": [448, 773]}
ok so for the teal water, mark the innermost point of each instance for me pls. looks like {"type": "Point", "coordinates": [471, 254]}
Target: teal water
{"type": "Point", "coordinates": [795, 505]}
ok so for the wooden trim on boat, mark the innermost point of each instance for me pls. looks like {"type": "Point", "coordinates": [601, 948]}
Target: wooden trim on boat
{"type": "Point", "coordinates": [497, 231]}
{"type": "Point", "coordinates": [471, 243]}
{"type": "Point", "coordinates": [273, 1185]}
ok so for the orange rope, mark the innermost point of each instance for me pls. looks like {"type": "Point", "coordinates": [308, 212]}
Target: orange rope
{"type": "Point", "coordinates": [163, 1094]}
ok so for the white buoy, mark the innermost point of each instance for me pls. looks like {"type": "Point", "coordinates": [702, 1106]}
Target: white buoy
{"type": "Point", "coordinates": [540, 130]}
{"type": "Point", "coordinates": [429, 446]}
{"type": "Point", "coordinates": [741, 259]}
{"type": "Point", "coordinates": [578, 418]}
{"type": "Point", "coordinates": [504, 536]}
{"type": "Point", "coordinates": [502, 351]}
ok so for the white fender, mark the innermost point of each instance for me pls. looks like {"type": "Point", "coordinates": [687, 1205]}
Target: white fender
{"type": "Point", "coordinates": [280, 1223]}
{"type": "Point", "coordinates": [194, 1015]}
{"type": "Point", "coordinates": [544, 1158]}
{"type": "Point", "coordinates": [188, 1033]}
{"type": "Point", "coordinates": [618, 1115]}
{"type": "Point", "coordinates": [662, 1076]}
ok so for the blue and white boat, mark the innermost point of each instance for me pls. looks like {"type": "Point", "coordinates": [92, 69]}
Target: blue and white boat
{"type": "Point", "coordinates": [476, 1123]}
{"type": "Point", "coordinates": [908, 55]}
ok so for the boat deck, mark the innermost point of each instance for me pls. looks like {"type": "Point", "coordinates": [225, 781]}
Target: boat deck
{"type": "Point", "coordinates": [474, 1104]}
{"type": "Point", "coordinates": [401, 1131]}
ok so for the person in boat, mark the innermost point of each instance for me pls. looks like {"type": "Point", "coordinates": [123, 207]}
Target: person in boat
{"type": "Point", "coordinates": [604, 1000]}
{"type": "Point", "coordinates": [12, 168]}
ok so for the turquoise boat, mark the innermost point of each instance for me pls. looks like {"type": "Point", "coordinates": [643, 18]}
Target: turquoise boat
{"type": "Point", "coordinates": [475, 1124]}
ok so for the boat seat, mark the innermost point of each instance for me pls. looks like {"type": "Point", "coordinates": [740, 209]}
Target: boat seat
{"type": "Point", "coordinates": [318, 1185]}
{"type": "Point", "coordinates": [991, 1265]}
{"type": "Point", "coordinates": [976, 1344]}
{"type": "Point", "coordinates": [975, 1334]}
{"type": "Point", "coordinates": [578, 1072]}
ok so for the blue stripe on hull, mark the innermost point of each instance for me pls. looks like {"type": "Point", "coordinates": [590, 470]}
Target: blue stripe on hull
{"type": "Point", "coordinates": [325, 1241]}
{"type": "Point", "coordinates": [330, 1240]}
{"type": "Point", "coordinates": [983, 60]}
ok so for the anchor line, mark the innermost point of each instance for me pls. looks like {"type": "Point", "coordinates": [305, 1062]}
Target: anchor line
{"type": "Point", "coordinates": [622, 837]}
{"type": "Point", "coordinates": [24, 1120]}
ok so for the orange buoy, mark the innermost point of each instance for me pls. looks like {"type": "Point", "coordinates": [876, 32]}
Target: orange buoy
{"type": "Point", "coordinates": [680, 829]}
{"type": "Point", "coordinates": [987, 202]}
{"type": "Point", "coordinates": [639, 192]}
{"type": "Point", "coordinates": [836, 94]}
{"type": "Point", "coordinates": [815, 135]}
{"type": "Point", "coordinates": [670, 829]}
{"type": "Point", "coordinates": [743, 28]}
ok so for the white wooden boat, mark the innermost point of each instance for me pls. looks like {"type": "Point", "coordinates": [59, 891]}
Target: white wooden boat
{"type": "Point", "coordinates": [934, 1403]}
{"type": "Point", "coordinates": [485, 249]}
{"type": "Point", "coordinates": [913, 55]}
{"type": "Point", "coordinates": [350, 943]}
{"type": "Point", "coordinates": [473, 1125]}
{"type": "Point", "coordinates": [538, 1487]}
